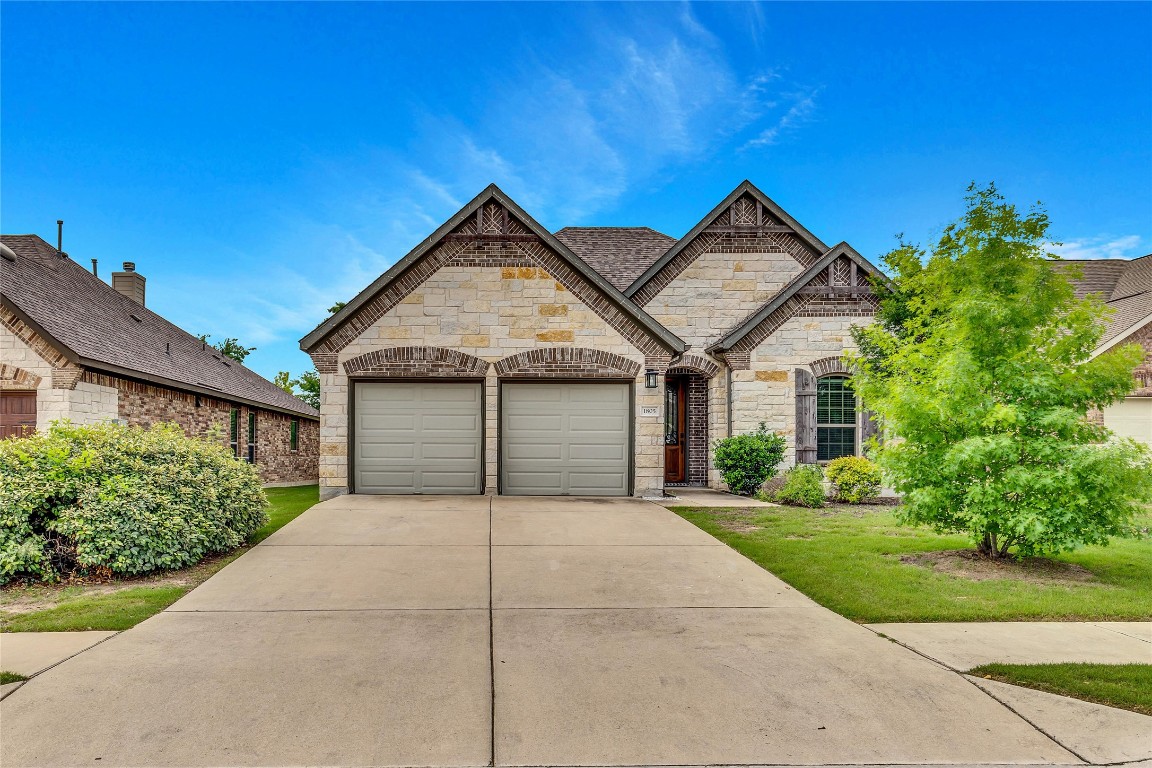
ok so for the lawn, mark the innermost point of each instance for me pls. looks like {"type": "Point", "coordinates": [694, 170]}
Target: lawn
{"type": "Point", "coordinates": [125, 603]}
{"type": "Point", "coordinates": [849, 559]}
{"type": "Point", "coordinates": [1127, 686]}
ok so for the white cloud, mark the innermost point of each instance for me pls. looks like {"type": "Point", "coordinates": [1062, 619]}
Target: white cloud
{"type": "Point", "coordinates": [801, 109]}
{"type": "Point", "coordinates": [1101, 247]}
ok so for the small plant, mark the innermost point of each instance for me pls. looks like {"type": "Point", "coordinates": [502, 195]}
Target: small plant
{"type": "Point", "coordinates": [803, 487]}
{"type": "Point", "coordinates": [746, 461]}
{"type": "Point", "coordinates": [853, 478]}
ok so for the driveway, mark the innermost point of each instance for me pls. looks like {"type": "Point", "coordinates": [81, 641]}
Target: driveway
{"type": "Point", "coordinates": [525, 631]}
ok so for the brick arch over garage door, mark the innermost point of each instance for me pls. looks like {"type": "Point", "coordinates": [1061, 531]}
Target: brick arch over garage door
{"type": "Point", "coordinates": [415, 362]}
{"type": "Point", "coordinates": [568, 363]}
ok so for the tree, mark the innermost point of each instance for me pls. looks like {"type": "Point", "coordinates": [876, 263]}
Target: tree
{"type": "Point", "coordinates": [980, 362]}
{"type": "Point", "coordinates": [283, 380]}
{"type": "Point", "coordinates": [309, 384]}
{"type": "Point", "coordinates": [230, 347]}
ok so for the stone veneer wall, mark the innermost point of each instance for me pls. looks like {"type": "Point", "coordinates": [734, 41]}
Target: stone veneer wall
{"type": "Point", "coordinates": [1143, 372]}
{"type": "Point", "coordinates": [767, 390]}
{"type": "Point", "coordinates": [493, 312]}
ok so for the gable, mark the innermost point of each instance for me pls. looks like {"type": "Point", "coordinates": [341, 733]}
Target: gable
{"type": "Point", "coordinates": [494, 235]}
{"type": "Point", "coordinates": [746, 222]}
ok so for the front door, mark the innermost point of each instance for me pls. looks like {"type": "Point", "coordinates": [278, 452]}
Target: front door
{"type": "Point", "coordinates": [675, 431]}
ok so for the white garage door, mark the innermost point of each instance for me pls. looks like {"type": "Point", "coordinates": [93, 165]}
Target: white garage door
{"type": "Point", "coordinates": [1131, 417]}
{"type": "Point", "coordinates": [565, 439]}
{"type": "Point", "coordinates": [418, 437]}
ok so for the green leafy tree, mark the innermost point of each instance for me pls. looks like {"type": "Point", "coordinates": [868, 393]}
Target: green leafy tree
{"type": "Point", "coordinates": [284, 381]}
{"type": "Point", "coordinates": [981, 365]}
{"type": "Point", "coordinates": [230, 347]}
{"type": "Point", "coordinates": [309, 384]}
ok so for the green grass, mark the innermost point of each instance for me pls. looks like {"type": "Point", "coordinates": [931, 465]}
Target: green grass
{"type": "Point", "coordinates": [10, 677]}
{"type": "Point", "coordinates": [126, 608]}
{"type": "Point", "coordinates": [848, 559]}
{"type": "Point", "coordinates": [1127, 686]}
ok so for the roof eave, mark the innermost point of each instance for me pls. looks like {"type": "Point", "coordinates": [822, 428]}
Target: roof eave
{"type": "Point", "coordinates": [666, 337]}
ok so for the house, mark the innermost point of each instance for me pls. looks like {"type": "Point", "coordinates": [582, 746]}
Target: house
{"type": "Point", "coordinates": [1125, 285]}
{"type": "Point", "coordinates": [74, 347]}
{"type": "Point", "coordinates": [498, 357]}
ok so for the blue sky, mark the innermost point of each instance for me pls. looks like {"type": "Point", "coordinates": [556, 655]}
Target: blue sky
{"type": "Point", "coordinates": [261, 161]}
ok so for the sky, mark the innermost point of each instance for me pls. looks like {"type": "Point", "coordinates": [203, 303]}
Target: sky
{"type": "Point", "coordinates": [260, 161]}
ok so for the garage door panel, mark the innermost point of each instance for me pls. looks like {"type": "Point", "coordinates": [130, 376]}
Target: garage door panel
{"type": "Point", "coordinates": [1131, 417]}
{"type": "Point", "coordinates": [424, 437]}
{"type": "Point", "coordinates": [565, 438]}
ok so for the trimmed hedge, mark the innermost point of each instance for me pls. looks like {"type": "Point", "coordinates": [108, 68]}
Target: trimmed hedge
{"type": "Point", "coordinates": [125, 500]}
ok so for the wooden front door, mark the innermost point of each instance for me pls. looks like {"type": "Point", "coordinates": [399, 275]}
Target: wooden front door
{"type": "Point", "coordinates": [675, 430]}
{"type": "Point", "coordinates": [17, 414]}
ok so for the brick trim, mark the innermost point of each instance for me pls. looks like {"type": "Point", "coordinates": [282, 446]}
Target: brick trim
{"type": "Point", "coordinates": [567, 362]}
{"type": "Point", "coordinates": [695, 364]}
{"type": "Point", "coordinates": [12, 377]}
{"type": "Point", "coordinates": [710, 241]}
{"type": "Point", "coordinates": [65, 374]}
{"type": "Point", "coordinates": [827, 366]}
{"type": "Point", "coordinates": [325, 362]}
{"type": "Point", "coordinates": [415, 362]}
{"type": "Point", "coordinates": [456, 249]}
{"type": "Point", "coordinates": [66, 377]}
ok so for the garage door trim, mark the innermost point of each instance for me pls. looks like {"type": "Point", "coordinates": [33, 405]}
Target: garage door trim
{"type": "Point", "coordinates": [354, 381]}
{"type": "Point", "coordinates": [514, 380]}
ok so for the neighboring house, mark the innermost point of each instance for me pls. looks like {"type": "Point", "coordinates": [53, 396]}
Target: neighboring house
{"type": "Point", "coordinates": [1126, 287]}
{"type": "Point", "coordinates": [498, 357]}
{"type": "Point", "coordinates": [73, 347]}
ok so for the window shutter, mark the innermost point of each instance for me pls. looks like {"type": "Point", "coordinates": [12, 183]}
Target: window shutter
{"type": "Point", "coordinates": [805, 417]}
{"type": "Point", "coordinates": [869, 428]}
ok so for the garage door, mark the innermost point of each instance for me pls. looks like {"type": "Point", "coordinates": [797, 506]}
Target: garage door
{"type": "Point", "coordinates": [1131, 417]}
{"type": "Point", "coordinates": [418, 437]}
{"type": "Point", "coordinates": [17, 414]}
{"type": "Point", "coordinates": [565, 439]}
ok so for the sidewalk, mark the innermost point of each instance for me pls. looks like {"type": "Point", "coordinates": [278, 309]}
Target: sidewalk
{"type": "Point", "coordinates": [962, 646]}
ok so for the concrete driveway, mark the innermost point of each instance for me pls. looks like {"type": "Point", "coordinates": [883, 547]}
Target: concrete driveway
{"type": "Point", "coordinates": [524, 631]}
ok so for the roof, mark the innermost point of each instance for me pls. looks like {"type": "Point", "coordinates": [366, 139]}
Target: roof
{"type": "Point", "coordinates": [100, 329]}
{"type": "Point", "coordinates": [621, 254]}
{"type": "Point", "coordinates": [1125, 286]}
{"type": "Point", "coordinates": [492, 193]}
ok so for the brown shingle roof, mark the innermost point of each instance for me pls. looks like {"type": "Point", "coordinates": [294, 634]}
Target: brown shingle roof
{"type": "Point", "coordinates": [111, 332]}
{"type": "Point", "coordinates": [1124, 284]}
{"type": "Point", "coordinates": [620, 254]}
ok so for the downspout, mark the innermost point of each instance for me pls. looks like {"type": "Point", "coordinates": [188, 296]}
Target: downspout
{"type": "Point", "coordinates": [728, 393]}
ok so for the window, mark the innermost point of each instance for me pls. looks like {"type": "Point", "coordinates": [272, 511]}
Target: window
{"type": "Point", "coordinates": [251, 437]}
{"type": "Point", "coordinates": [294, 435]}
{"type": "Point", "coordinates": [234, 432]}
{"type": "Point", "coordinates": [835, 418]}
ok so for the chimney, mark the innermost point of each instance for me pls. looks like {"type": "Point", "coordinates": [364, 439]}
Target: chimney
{"type": "Point", "coordinates": [129, 283]}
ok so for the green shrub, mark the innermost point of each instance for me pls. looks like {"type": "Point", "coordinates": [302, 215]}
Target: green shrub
{"type": "Point", "coordinates": [803, 486]}
{"type": "Point", "coordinates": [853, 478]}
{"type": "Point", "coordinates": [746, 461]}
{"type": "Point", "coordinates": [123, 499]}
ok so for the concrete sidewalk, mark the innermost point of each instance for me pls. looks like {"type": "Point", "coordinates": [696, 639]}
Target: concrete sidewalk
{"type": "Point", "coordinates": [516, 631]}
{"type": "Point", "coordinates": [962, 646]}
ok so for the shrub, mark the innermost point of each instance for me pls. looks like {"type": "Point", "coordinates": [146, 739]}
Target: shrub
{"type": "Point", "coordinates": [803, 486]}
{"type": "Point", "coordinates": [746, 461]}
{"type": "Point", "coordinates": [853, 478]}
{"type": "Point", "coordinates": [124, 499]}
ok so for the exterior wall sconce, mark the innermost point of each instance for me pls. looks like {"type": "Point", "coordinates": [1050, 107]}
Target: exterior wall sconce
{"type": "Point", "coordinates": [650, 379]}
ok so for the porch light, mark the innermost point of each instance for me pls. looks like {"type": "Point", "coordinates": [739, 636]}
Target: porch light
{"type": "Point", "coordinates": [650, 379]}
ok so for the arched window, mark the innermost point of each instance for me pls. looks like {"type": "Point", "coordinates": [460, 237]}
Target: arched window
{"type": "Point", "coordinates": [835, 418]}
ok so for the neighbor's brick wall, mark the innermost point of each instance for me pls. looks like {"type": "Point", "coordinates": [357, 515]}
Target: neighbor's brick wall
{"type": "Point", "coordinates": [142, 404]}
{"type": "Point", "coordinates": [490, 312]}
